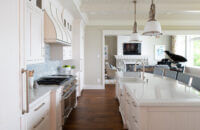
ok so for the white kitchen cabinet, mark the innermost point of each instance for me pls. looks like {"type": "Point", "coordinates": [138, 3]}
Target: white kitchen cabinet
{"type": "Point", "coordinates": [38, 117]}
{"type": "Point", "coordinates": [34, 41]}
{"type": "Point", "coordinates": [43, 124]}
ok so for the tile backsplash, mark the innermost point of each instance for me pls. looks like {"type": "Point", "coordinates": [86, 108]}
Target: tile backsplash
{"type": "Point", "coordinates": [47, 68]}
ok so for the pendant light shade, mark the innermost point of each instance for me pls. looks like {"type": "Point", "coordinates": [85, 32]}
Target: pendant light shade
{"type": "Point", "coordinates": [152, 27]}
{"type": "Point", "coordinates": [135, 36]}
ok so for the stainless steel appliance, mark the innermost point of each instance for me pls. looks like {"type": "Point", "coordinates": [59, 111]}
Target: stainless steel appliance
{"type": "Point", "coordinates": [69, 91]}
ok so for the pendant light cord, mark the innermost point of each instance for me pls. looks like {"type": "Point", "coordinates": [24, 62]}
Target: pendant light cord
{"type": "Point", "coordinates": [135, 13]}
{"type": "Point", "coordinates": [135, 22]}
{"type": "Point", "coordinates": [152, 12]}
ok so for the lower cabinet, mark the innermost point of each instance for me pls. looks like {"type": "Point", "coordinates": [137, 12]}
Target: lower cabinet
{"type": "Point", "coordinates": [128, 110]}
{"type": "Point", "coordinates": [138, 116]}
{"type": "Point", "coordinates": [43, 123]}
{"type": "Point", "coordinates": [39, 115]}
{"type": "Point", "coordinates": [45, 113]}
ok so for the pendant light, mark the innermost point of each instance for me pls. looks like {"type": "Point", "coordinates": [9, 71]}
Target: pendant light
{"type": "Point", "coordinates": [135, 36]}
{"type": "Point", "coordinates": [152, 27]}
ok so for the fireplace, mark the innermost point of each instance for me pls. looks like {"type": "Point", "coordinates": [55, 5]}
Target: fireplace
{"type": "Point", "coordinates": [126, 62]}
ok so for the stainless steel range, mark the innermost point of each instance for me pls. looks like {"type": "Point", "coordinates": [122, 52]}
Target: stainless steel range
{"type": "Point", "coordinates": [69, 91]}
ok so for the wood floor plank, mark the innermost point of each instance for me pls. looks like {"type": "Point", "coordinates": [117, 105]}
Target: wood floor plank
{"type": "Point", "coordinates": [96, 110]}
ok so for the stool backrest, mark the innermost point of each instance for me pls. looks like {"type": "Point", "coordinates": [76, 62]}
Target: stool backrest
{"type": "Point", "coordinates": [171, 74]}
{"type": "Point", "coordinates": [158, 71]}
{"type": "Point", "coordinates": [196, 83]}
{"type": "Point", "coordinates": [184, 78]}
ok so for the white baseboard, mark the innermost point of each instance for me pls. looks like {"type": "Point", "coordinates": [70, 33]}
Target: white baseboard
{"type": "Point", "coordinates": [95, 86]}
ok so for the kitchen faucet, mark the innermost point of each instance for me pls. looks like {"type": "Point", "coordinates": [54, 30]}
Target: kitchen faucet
{"type": "Point", "coordinates": [143, 68]}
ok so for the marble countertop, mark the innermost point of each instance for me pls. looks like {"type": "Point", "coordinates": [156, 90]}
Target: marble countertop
{"type": "Point", "coordinates": [35, 94]}
{"type": "Point", "coordinates": [162, 91]}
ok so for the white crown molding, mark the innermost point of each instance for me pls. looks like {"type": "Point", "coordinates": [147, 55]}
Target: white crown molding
{"type": "Point", "coordinates": [73, 6]}
{"type": "Point", "coordinates": [82, 14]}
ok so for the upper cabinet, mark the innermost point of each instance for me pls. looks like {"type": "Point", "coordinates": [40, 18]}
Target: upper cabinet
{"type": "Point", "coordinates": [34, 39]}
{"type": "Point", "coordinates": [57, 25]}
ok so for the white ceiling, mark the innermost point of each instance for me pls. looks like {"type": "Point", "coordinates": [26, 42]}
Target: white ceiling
{"type": "Point", "coordinates": [120, 12]}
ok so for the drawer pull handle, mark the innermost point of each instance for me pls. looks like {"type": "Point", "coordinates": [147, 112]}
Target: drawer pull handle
{"type": "Point", "coordinates": [39, 107]}
{"type": "Point", "coordinates": [42, 119]}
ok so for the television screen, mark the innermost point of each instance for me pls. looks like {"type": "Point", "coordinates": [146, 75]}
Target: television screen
{"type": "Point", "coordinates": [132, 49]}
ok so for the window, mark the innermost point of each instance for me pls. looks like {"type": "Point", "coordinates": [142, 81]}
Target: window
{"type": "Point", "coordinates": [180, 45]}
{"type": "Point", "coordinates": [196, 51]}
{"type": "Point", "coordinates": [187, 46]}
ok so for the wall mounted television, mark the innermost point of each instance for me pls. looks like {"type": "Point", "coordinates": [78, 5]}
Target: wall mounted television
{"type": "Point", "coordinates": [132, 48]}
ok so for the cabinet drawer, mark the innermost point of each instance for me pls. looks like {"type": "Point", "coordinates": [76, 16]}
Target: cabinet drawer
{"type": "Point", "coordinates": [43, 123]}
{"type": "Point", "coordinates": [38, 112]}
{"type": "Point", "coordinates": [41, 105]}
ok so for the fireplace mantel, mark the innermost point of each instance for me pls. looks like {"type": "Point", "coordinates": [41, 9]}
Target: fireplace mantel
{"type": "Point", "coordinates": [130, 57]}
{"type": "Point", "coordinates": [123, 60]}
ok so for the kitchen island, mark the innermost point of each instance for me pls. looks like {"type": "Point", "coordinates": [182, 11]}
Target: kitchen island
{"type": "Point", "coordinates": [157, 103]}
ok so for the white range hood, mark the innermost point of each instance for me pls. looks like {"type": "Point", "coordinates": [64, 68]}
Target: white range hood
{"type": "Point", "coordinates": [55, 30]}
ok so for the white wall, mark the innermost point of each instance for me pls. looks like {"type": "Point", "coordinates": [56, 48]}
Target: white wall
{"type": "Point", "coordinates": [9, 67]}
{"type": "Point", "coordinates": [148, 45]}
{"type": "Point", "coordinates": [93, 47]}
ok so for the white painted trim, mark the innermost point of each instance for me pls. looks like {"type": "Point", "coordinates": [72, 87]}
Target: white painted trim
{"type": "Point", "coordinates": [103, 60]}
{"type": "Point", "coordinates": [165, 32]}
{"type": "Point", "coordinates": [95, 86]}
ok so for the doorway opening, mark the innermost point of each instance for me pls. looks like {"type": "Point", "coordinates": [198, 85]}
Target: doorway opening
{"type": "Point", "coordinates": [110, 50]}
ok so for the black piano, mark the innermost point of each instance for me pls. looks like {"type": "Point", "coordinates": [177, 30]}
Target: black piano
{"type": "Point", "coordinates": [174, 62]}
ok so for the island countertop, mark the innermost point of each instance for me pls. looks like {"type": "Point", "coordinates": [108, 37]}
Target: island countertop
{"type": "Point", "coordinates": [162, 91]}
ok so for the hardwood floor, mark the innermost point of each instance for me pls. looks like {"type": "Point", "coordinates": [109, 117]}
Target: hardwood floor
{"type": "Point", "coordinates": [96, 110]}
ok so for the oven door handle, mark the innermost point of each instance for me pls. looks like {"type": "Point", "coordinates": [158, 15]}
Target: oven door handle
{"type": "Point", "coordinates": [65, 96]}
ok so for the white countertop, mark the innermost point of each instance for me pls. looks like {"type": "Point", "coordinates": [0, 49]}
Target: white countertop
{"type": "Point", "coordinates": [162, 91]}
{"type": "Point", "coordinates": [42, 90]}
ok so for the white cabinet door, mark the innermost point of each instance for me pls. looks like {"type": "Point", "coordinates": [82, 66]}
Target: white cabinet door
{"type": "Point", "coordinates": [38, 117]}
{"type": "Point", "coordinates": [34, 43]}
{"type": "Point", "coordinates": [37, 42]}
{"type": "Point", "coordinates": [27, 33]}
{"type": "Point", "coordinates": [43, 124]}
